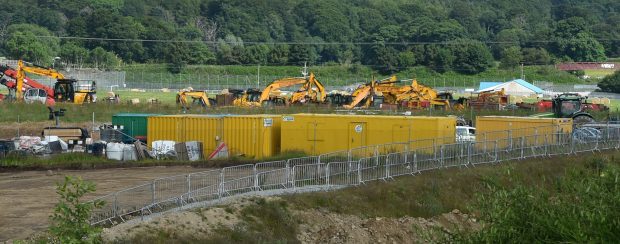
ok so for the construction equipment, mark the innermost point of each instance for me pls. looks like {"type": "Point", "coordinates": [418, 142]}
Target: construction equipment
{"type": "Point", "coordinates": [65, 90]}
{"type": "Point", "coordinates": [311, 91]}
{"type": "Point", "coordinates": [569, 105]}
{"type": "Point", "coordinates": [495, 100]}
{"type": "Point", "coordinates": [546, 105]}
{"type": "Point", "coordinates": [198, 97]}
{"type": "Point", "coordinates": [371, 93]}
{"type": "Point", "coordinates": [247, 98]}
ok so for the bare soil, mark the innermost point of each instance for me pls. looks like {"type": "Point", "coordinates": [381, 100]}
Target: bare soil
{"type": "Point", "coordinates": [315, 226]}
{"type": "Point", "coordinates": [28, 198]}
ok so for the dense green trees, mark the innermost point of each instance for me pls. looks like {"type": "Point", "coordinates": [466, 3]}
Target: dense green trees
{"type": "Point", "coordinates": [444, 35]}
{"type": "Point", "coordinates": [611, 83]}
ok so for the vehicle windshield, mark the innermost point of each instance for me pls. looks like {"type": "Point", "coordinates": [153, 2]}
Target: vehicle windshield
{"type": "Point", "coordinates": [570, 107]}
{"type": "Point", "coordinates": [461, 131]}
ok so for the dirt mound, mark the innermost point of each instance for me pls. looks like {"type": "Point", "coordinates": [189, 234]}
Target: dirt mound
{"type": "Point", "coordinates": [315, 226]}
{"type": "Point", "coordinates": [324, 227]}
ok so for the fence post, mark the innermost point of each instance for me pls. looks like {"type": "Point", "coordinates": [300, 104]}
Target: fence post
{"type": "Point", "coordinates": [572, 145]}
{"type": "Point", "coordinates": [153, 192]}
{"type": "Point", "coordinates": [115, 205]}
{"type": "Point", "coordinates": [415, 162]}
{"type": "Point", "coordinates": [522, 147]}
{"type": "Point", "coordinates": [255, 173]}
{"type": "Point", "coordinates": [288, 172]}
{"type": "Point", "coordinates": [220, 190]}
{"type": "Point", "coordinates": [495, 149]}
{"type": "Point", "coordinates": [293, 177]}
{"type": "Point", "coordinates": [327, 175]}
{"type": "Point", "coordinates": [441, 156]}
{"type": "Point", "coordinates": [189, 184]}
{"type": "Point", "coordinates": [388, 161]}
{"type": "Point", "coordinates": [469, 151]}
{"type": "Point", "coordinates": [359, 172]}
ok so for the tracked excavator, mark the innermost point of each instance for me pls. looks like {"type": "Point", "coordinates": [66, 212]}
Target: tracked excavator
{"type": "Point", "coordinates": [311, 91]}
{"type": "Point", "coordinates": [198, 98]}
{"type": "Point", "coordinates": [371, 93]}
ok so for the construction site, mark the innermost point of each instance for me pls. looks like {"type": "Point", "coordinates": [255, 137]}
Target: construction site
{"type": "Point", "coordinates": [291, 136]}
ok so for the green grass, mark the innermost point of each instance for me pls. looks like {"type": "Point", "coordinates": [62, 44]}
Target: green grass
{"type": "Point", "coordinates": [599, 73]}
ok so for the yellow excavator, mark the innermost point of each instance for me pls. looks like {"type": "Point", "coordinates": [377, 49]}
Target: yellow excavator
{"type": "Point", "coordinates": [311, 91]}
{"type": "Point", "coordinates": [371, 93]}
{"type": "Point", "coordinates": [419, 96]}
{"type": "Point", "coordinates": [198, 97]}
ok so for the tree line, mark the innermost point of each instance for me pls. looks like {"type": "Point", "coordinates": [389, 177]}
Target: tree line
{"type": "Point", "coordinates": [444, 35]}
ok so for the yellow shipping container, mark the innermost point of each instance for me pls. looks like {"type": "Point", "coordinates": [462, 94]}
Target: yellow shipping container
{"type": "Point", "coordinates": [165, 127]}
{"type": "Point", "coordinates": [324, 133]}
{"type": "Point", "coordinates": [534, 130]}
{"type": "Point", "coordinates": [207, 129]}
{"type": "Point", "coordinates": [255, 136]}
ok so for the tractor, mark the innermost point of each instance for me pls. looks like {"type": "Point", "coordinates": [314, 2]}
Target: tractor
{"type": "Point", "coordinates": [569, 105]}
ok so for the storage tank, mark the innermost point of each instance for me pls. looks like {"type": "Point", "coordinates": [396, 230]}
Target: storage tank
{"type": "Point", "coordinates": [325, 133]}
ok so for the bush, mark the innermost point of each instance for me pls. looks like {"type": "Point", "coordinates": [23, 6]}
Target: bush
{"type": "Point", "coordinates": [580, 207]}
{"type": "Point", "coordinates": [611, 83]}
{"type": "Point", "coordinates": [70, 220]}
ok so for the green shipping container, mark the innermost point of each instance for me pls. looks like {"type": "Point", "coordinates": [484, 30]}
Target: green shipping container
{"type": "Point", "coordinates": [134, 125]}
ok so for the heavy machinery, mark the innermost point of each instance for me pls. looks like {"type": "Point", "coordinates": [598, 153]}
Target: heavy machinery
{"type": "Point", "coordinates": [546, 105]}
{"type": "Point", "coordinates": [65, 90]}
{"type": "Point", "coordinates": [371, 93]}
{"type": "Point", "coordinates": [569, 105]}
{"type": "Point", "coordinates": [495, 100]}
{"type": "Point", "coordinates": [311, 91]}
{"type": "Point", "coordinates": [247, 98]}
{"type": "Point", "coordinates": [198, 97]}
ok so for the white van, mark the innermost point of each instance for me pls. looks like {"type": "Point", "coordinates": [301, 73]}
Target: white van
{"type": "Point", "coordinates": [465, 134]}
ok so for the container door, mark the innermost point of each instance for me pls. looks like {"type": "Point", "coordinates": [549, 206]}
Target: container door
{"type": "Point", "coordinates": [357, 135]}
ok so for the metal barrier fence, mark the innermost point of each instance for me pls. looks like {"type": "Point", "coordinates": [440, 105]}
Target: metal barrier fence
{"type": "Point", "coordinates": [349, 168]}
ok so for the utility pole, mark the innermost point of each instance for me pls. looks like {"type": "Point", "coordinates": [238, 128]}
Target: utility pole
{"type": "Point", "coordinates": [522, 74]}
{"type": "Point", "coordinates": [258, 78]}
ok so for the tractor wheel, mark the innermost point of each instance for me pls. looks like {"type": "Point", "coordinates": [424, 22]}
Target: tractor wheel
{"type": "Point", "coordinates": [581, 120]}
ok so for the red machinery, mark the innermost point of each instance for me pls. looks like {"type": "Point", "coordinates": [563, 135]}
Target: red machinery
{"type": "Point", "coordinates": [8, 79]}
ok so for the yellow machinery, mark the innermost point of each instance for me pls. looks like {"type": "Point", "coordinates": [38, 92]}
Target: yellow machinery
{"type": "Point", "coordinates": [200, 97]}
{"type": "Point", "coordinates": [365, 95]}
{"type": "Point", "coordinates": [311, 91]}
{"type": "Point", "coordinates": [420, 96]}
{"type": "Point", "coordinates": [490, 100]}
{"type": "Point", "coordinates": [247, 98]}
{"type": "Point", "coordinates": [65, 90]}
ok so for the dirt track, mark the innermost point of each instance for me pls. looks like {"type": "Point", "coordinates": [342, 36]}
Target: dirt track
{"type": "Point", "coordinates": [27, 198]}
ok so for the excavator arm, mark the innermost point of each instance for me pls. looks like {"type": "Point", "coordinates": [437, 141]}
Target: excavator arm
{"type": "Point", "coordinates": [197, 96]}
{"type": "Point", "coordinates": [277, 85]}
{"type": "Point", "coordinates": [369, 89]}
{"type": "Point", "coordinates": [313, 88]}
{"type": "Point", "coordinates": [22, 68]}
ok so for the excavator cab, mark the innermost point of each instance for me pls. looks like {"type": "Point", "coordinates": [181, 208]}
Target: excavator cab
{"type": "Point", "coordinates": [73, 91]}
